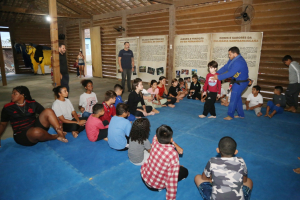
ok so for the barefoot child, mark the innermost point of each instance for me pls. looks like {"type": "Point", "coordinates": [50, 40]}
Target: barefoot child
{"type": "Point", "coordinates": [66, 113]}
{"type": "Point", "coordinates": [135, 97]}
{"type": "Point", "coordinates": [88, 99]}
{"type": "Point", "coordinates": [163, 93]}
{"type": "Point", "coordinates": [214, 90]}
{"type": "Point", "coordinates": [109, 108]}
{"type": "Point", "coordinates": [278, 103]}
{"type": "Point", "coordinates": [157, 100]}
{"type": "Point", "coordinates": [183, 86]}
{"type": "Point", "coordinates": [254, 101]}
{"type": "Point", "coordinates": [162, 169]}
{"type": "Point", "coordinates": [95, 129]}
{"type": "Point", "coordinates": [195, 88]}
{"type": "Point", "coordinates": [225, 177]}
{"type": "Point", "coordinates": [139, 145]}
{"type": "Point", "coordinates": [174, 91]}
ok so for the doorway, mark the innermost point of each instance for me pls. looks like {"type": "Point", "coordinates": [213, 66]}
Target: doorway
{"type": "Point", "coordinates": [7, 52]}
{"type": "Point", "coordinates": [87, 52]}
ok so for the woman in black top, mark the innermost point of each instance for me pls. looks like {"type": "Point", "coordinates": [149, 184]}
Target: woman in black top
{"type": "Point", "coordinates": [21, 113]}
{"type": "Point", "coordinates": [135, 97]}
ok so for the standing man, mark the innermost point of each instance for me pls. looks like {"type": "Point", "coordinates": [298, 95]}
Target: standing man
{"type": "Point", "coordinates": [237, 69]}
{"type": "Point", "coordinates": [293, 89]}
{"type": "Point", "coordinates": [64, 73]}
{"type": "Point", "coordinates": [126, 63]}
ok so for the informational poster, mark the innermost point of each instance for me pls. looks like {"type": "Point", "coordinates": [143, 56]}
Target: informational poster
{"type": "Point", "coordinates": [194, 52]}
{"type": "Point", "coordinates": [249, 44]}
{"type": "Point", "coordinates": [153, 57]}
{"type": "Point", "coordinates": [191, 53]}
{"type": "Point", "coordinates": [134, 47]}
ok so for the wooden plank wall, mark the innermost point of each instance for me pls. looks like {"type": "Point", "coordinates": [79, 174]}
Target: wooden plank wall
{"type": "Point", "coordinates": [211, 18]}
{"type": "Point", "coordinates": [280, 24]}
{"type": "Point", "coordinates": [72, 43]}
{"type": "Point", "coordinates": [108, 44]}
{"type": "Point", "coordinates": [39, 35]}
{"type": "Point", "coordinates": [149, 24]}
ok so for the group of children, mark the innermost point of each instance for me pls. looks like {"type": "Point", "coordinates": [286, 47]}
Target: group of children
{"type": "Point", "coordinates": [124, 127]}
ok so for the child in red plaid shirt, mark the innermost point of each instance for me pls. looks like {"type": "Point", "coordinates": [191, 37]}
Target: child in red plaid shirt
{"type": "Point", "coordinates": [162, 169]}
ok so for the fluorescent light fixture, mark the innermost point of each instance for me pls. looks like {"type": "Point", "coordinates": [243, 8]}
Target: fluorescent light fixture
{"type": "Point", "coordinates": [48, 18]}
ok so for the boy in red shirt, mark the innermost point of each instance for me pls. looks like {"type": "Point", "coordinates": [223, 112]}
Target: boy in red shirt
{"type": "Point", "coordinates": [109, 108]}
{"type": "Point", "coordinates": [162, 169]}
{"type": "Point", "coordinates": [214, 90]}
{"type": "Point", "coordinates": [94, 127]}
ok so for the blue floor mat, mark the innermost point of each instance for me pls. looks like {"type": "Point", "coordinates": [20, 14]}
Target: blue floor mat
{"type": "Point", "coordinates": [82, 169]}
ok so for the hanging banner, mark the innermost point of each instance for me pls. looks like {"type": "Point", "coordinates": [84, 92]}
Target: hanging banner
{"type": "Point", "coordinates": [153, 57]}
{"type": "Point", "coordinates": [249, 44]}
{"type": "Point", "coordinates": [134, 47]}
{"type": "Point", "coordinates": [191, 55]}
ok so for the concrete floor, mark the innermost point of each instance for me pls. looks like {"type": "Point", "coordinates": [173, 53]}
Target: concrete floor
{"type": "Point", "coordinates": [41, 90]}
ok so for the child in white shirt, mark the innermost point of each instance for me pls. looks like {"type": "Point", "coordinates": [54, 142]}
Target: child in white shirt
{"type": "Point", "coordinates": [254, 101]}
{"type": "Point", "coordinates": [88, 99]}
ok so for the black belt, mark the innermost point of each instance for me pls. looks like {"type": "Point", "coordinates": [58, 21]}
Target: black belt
{"type": "Point", "coordinates": [233, 81]}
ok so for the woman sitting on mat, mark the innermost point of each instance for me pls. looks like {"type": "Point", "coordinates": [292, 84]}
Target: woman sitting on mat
{"type": "Point", "coordinates": [65, 112]}
{"type": "Point", "coordinates": [21, 113]}
{"type": "Point", "coordinates": [135, 97]}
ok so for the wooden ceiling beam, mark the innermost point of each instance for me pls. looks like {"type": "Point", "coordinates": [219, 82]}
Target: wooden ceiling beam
{"type": "Point", "coordinates": [26, 11]}
{"type": "Point", "coordinates": [178, 3]}
{"type": "Point", "coordinates": [168, 2]}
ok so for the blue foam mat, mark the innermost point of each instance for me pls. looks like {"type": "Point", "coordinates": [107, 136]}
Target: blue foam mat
{"type": "Point", "coordinates": [82, 169]}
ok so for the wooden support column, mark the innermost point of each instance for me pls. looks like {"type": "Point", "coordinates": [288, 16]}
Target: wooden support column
{"type": "Point", "coordinates": [2, 65]}
{"type": "Point", "coordinates": [124, 24]}
{"type": "Point", "coordinates": [171, 42]}
{"type": "Point", "coordinates": [247, 27]}
{"type": "Point", "coordinates": [54, 42]}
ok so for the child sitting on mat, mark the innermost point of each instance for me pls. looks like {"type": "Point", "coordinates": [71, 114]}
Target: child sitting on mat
{"type": "Point", "coordinates": [157, 100]}
{"type": "Point", "coordinates": [174, 91]}
{"type": "Point", "coordinates": [254, 101]}
{"type": "Point", "coordinates": [135, 97]}
{"type": "Point", "coordinates": [278, 103]}
{"type": "Point", "coordinates": [183, 86]}
{"type": "Point", "coordinates": [66, 113]}
{"type": "Point", "coordinates": [195, 88]}
{"type": "Point", "coordinates": [225, 177]}
{"type": "Point", "coordinates": [139, 145]}
{"type": "Point", "coordinates": [88, 99]}
{"type": "Point", "coordinates": [226, 101]}
{"type": "Point", "coordinates": [108, 104]}
{"type": "Point", "coordinates": [119, 90]}
{"type": "Point", "coordinates": [213, 89]}
{"type": "Point", "coordinates": [162, 169]}
{"type": "Point", "coordinates": [119, 129]}
{"type": "Point", "coordinates": [96, 129]}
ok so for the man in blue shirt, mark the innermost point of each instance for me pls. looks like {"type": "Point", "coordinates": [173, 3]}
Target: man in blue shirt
{"type": "Point", "coordinates": [126, 63]}
{"type": "Point", "coordinates": [237, 69]}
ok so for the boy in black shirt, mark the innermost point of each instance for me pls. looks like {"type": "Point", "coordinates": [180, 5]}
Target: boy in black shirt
{"type": "Point", "coordinates": [174, 91]}
{"type": "Point", "coordinates": [278, 103]}
{"type": "Point", "coordinates": [195, 89]}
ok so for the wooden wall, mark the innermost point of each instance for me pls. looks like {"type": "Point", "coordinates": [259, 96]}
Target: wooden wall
{"type": "Point", "coordinates": [72, 42]}
{"type": "Point", "coordinates": [211, 18]}
{"type": "Point", "coordinates": [280, 24]}
{"type": "Point", "coordinates": [108, 44]}
{"type": "Point", "coordinates": [148, 24]}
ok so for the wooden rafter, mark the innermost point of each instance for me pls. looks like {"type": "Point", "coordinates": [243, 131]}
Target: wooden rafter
{"type": "Point", "coordinates": [109, 6]}
{"type": "Point", "coordinates": [168, 2]}
{"type": "Point", "coordinates": [27, 11]}
{"type": "Point", "coordinates": [72, 7]}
